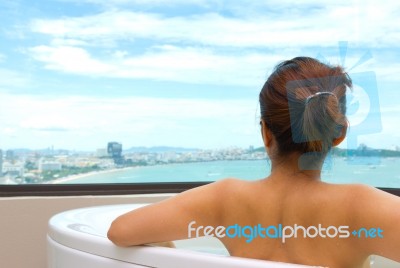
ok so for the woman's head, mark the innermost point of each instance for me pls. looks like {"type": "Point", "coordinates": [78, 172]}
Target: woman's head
{"type": "Point", "coordinates": [303, 106]}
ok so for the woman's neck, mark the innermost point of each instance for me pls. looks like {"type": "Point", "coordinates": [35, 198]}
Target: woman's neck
{"type": "Point", "coordinates": [305, 167]}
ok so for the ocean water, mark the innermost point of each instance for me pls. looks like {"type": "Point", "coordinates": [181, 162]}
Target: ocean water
{"type": "Point", "coordinates": [379, 172]}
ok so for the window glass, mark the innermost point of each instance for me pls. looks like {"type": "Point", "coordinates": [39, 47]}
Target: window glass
{"type": "Point", "coordinates": [95, 91]}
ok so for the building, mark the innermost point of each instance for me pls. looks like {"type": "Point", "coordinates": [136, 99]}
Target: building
{"type": "Point", "coordinates": [114, 150]}
{"type": "Point", "coordinates": [13, 169]}
{"type": "Point", "coordinates": [10, 155]}
{"type": "Point", "coordinates": [101, 152]}
{"type": "Point", "coordinates": [49, 165]}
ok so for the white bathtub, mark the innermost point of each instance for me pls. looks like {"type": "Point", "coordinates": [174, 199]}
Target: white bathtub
{"type": "Point", "coordinates": [77, 238]}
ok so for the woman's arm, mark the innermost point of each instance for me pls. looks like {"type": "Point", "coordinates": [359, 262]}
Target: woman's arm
{"type": "Point", "coordinates": [169, 219]}
{"type": "Point", "coordinates": [380, 211]}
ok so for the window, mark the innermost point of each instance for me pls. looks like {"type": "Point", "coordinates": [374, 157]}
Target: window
{"type": "Point", "coordinates": [167, 91]}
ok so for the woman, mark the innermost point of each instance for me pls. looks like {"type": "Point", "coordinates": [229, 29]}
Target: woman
{"type": "Point", "coordinates": [303, 105]}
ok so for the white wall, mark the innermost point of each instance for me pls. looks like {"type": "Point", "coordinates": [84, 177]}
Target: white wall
{"type": "Point", "coordinates": [23, 224]}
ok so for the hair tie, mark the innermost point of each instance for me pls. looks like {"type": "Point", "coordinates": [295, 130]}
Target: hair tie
{"type": "Point", "coordinates": [318, 94]}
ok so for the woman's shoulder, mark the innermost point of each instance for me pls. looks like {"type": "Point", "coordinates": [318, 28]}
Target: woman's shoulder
{"type": "Point", "coordinates": [232, 185]}
{"type": "Point", "coordinates": [356, 191]}
{"type": "Point", "coordinates": [364, 202]}
{"type": "Point", "coordinates": [229, 190]}
{"type": "Point", "coordinates": [375, 214]}
{"type": "Point", "coordinates": [349, 194]}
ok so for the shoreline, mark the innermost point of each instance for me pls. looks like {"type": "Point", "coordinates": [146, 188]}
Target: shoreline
{"type": "Point", "coordinates": [72, 178]}
{"type": "Point", "coordinates": [94, 173]}
{"type": "Point", "coordinates": [84, 175]}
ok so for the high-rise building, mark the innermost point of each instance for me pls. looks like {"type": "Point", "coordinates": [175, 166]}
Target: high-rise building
{"type": "Point", "coordinates": [114, 150]}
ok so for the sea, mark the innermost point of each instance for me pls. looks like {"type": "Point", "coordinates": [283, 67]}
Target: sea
{"type": "Point", "coordinates": [378, 172]}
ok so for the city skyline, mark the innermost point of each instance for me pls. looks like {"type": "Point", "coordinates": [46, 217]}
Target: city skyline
{"type": "Point", "coordinates": [75, 74]}
{"type": "Point", "coordinates": [164, 148]}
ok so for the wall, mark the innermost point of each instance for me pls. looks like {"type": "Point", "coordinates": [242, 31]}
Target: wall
{"type": "Point", "coordinates": [23, 224]}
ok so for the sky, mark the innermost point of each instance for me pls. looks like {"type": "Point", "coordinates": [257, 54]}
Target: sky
{"type": "Point", "coordinates": [76, 74]}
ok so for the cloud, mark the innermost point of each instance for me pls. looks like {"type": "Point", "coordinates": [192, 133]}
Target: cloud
{"type": "Point", "coordinates": [51, 129]}
{"type": "Point", "coordinates": [170, 63]}
{"type": "Point", "coordinates": [147, 3]}
{"type": "Point", "coordinates": [13, 79]}
{"type": "Point", "coordinates": [69, 59]}
{"type": "Point", "coordinates": [388, 72]}
{"type": "Point", "coordinates": [90, 122]}
{"type": "Point", "coordinates": [189, 64]}
{"type": "Point", "coordinates": [210, 47]}
{"type": "Point", "coordinates": [60, 42]}
{"type": "Point", "coordinates": [321, 26]}
{"type": "Point", "coordinates": [206, 29]}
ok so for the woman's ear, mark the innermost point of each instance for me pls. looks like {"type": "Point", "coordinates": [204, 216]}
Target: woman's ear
{"type": "Point", "coordinates": [266, 133]}
{"type": "Point", "coordinates": [342, 136]}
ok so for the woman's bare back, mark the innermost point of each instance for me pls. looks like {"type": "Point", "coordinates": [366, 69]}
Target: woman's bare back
{"type": "Point", "coordinates": [271, 202]}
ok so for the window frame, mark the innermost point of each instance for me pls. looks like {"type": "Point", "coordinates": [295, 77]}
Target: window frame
{"type": "Point", "coordinates": [111, 189]}
{"type": "Point", "coordinates": [96, 189]}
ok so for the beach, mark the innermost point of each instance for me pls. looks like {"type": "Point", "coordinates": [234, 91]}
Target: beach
{"type": "Point", "coordinates": [86, 175]}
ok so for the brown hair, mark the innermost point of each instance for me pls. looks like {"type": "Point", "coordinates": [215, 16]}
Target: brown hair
{"type": "Point", "coordinates": [303, 103]}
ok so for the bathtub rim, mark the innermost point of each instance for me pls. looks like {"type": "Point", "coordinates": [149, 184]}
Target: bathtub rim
{"type": "Point", "coordinates": [143, 255]}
